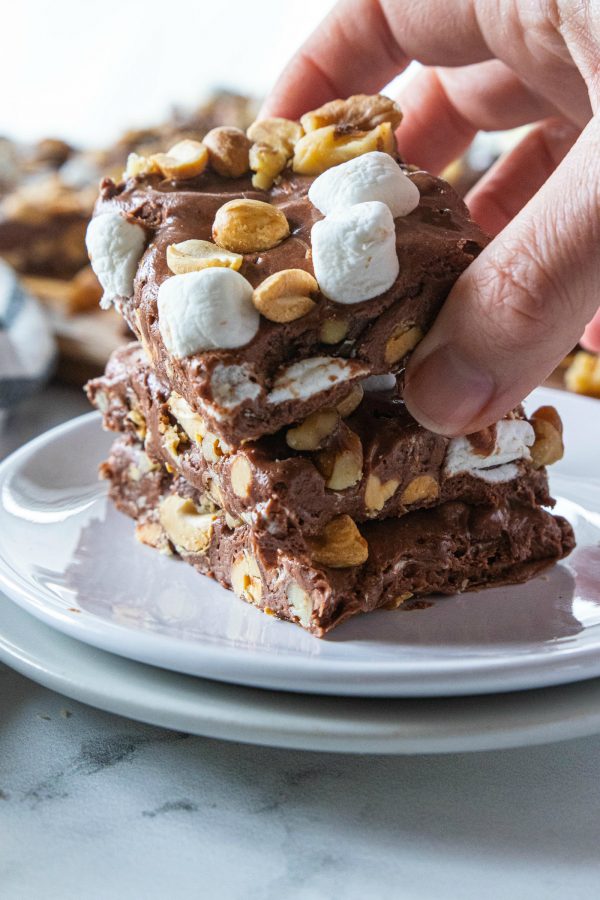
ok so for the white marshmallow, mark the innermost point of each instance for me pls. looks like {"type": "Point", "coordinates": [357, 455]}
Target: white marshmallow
{"type": "Point", "coordinates": [207, 310]}
{"type": "Point", "coordinates": [115, 247]}
{"type": "Point", "coordinates": [354, 252]}
{"type": "Point", "coordinates": [311, 376]}
{"type": "Point", "coordinates": [372, 176]}
{"type": "Point", "coordinates": [514, 437]}
{"type": "Point", "coordinates": [386, 382]}
{"type": "Point", "coordinates": [231, 385]}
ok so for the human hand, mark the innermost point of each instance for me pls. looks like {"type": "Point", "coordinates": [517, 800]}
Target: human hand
{"type": "Point", "coordinates": [525, 301]}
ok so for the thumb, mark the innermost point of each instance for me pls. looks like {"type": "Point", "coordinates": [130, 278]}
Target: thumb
{"type": "Point", "coordinates": [519, 308]}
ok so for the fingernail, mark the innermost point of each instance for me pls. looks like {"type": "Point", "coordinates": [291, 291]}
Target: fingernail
{"type": "Point", "coordinates": [446, 392]}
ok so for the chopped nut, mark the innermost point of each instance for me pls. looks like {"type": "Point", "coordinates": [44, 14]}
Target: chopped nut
{"type": "Point", "coordinates": [340, 545]}
{"type": "Point", "coordinates": [185, 159]}
{"type": "Point", "coordinates": [193, 255]}
{"type": "Point", "coordinates": [193, 424]}
{"type": "Point", "coordinates": [329, 146]}
{"type": "Point", "coordinates": [285, 295]}
{"type": "Point", "coordinates": [361, 111]}
{"type": "Point", "coordinates": [241, 476]}
{"type": "Point", "coordinates": [397, 601]}
{"type": "Point", "coordinates": [300, 602]}
{"type": "Point", "coordinates": [423, 487]}
{"type": "Point", "coordinates": [138, 166]}
{"type": "Point", "coordinates": [212, 447]}
{"type": "Point", "coordinates": [228, 150]}
{"type": "Point", "coordinates": [347, 406]}
{"type": "Point", "coordinates": [276, 132]}
{"type": "Point", "coordinates": [334, 330]}
{"type": "Point", "coordinates": [186, 527]}
{"type": "Point", "coordinates": [246, 226]}
{"type": "Point", "coordinates": [548, 446]}
{"type": "Point", "coordinates": [314, 431]}
{"type": "Point", "coordinates": [341, 466]}
{"type": "Point", "coordinates": [232, 521]}
{"type": "Point", "coordinates": [403, 339]}
{"type": "Point", "coordinates": [377, 493]}
{"type": "Point", "coordinates": [245, 578]}
{"type": "Point", "coordinates": [267, 163]}
{"type": "Point", "coordinates": [171, 441]}
{"type": "Point", "coordinates": [136, 417]}
{"type": "Point", "coordinates": [151, 534]}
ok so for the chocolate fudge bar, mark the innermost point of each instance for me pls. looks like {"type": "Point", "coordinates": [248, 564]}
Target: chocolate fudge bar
{"type": "Point", "coordinates": [451, 548]}
{"type": "Point", "coordinates": [262, 294]}
{"type": "Point", "coordinates": [373, 462]}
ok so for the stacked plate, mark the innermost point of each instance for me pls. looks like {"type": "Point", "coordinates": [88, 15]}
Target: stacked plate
{"type": "Point", "coordinates": [110, 622]}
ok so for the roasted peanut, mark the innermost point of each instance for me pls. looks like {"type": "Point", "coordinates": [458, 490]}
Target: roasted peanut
{"type": "Point", "coordinates": [548, 446]}
{"type": "Point", "coordinates": [340, 545]}
{"type": "Point", "coordinates": [193, 255]}
{"type": "Point", "coordinates": [186, 159]}
{"type": "Point", "coordinates": [314, 431]}
{"type": "Point", "coordinates": [402, 339]}
{"type": "Point", "coordinates": [247, 226]}
{"type": "Point", "coordinates": [334, 330]}
{"type": "Point", "coordinates": [241, 477]}
{"type": "Point", "coordinates": [377, 493]}
{"type": "Point", "coordinates": [285, 295]}
{"type": "Point", "coordinates": [185, 526]}
{"type": "Point", "coordinates": [228, 151]}
{"type": "Point", "coordinates": [192, 423]}
{"type": "Point", "coordinates": [423, 487]}
{"type": "Point", "coordinates": [352, 401]}
{"type": "Point", "coordinates": [341, 465]}
{"type": "Point", "coordinates": [245, 578]}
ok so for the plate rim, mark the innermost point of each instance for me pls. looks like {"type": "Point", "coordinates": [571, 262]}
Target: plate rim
{"type": "Point", "coordinates": [370, 679]}
{"type": "Point", "coordinates": [295, 721]}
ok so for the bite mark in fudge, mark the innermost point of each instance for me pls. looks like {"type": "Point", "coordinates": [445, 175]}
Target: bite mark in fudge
{"type": "Point", "coordinates": [368, 460]}
{"type": "Point", "coordinates": [448, 549]}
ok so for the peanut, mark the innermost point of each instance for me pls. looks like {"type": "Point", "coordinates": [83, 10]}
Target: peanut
{"type": "Point", "coordinates": [193, 424]}
{"type": "Point", "coordinates": [314, 431]}
{"type": "Point", "coordinates": [548, 446]}
{"type": "Point", "coordinates": [341, 466]}
{"type": "Point", "coordinates": [276, 132]}
{"type": "Point", "coordinates": [340, 545]}
{"type": "Point", "coordinates": [228, 151]}
{"type": "Point", "coordinates": [300, 602]}
{"type": "Point", "coordinates": [185, 527]}
{"type": "Point", "coordinates": [350, 403]}
{"type": "Point", "coordinates": [186, 159]}
{"type": "Point", "coordinates": [241, 477]}
{"type": "Point", "coordinates": [247, 226]}
{"type": "Point", "coordinates": [377, 493]}
{"type": "Point", "coordinates": [285, 295]}
{"type": "Point", "coordinates": [423, 487]}
{"type": "Point", "coordinates": [193, 255]}
{"type": "Point", "coordinates": [334, 330]}
{"type": "Point", "coordinates": [245, 578]}
{"type": "Point", "coordinates": [403, 339]}
{"type": "Point", "coordinates": [267, 163]}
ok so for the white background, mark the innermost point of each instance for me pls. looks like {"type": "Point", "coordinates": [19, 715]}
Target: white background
{"type": "Point", "coordinates": [87, 71]}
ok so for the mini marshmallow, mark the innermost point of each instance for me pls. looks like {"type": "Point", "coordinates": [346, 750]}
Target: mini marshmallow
{"type": "Point", "coordinates": [311, 376]}
{"type": "Point", "coordinates": [372, 176]}
{"type": "Point", "coordinates": [354, 252]}
{"type": "Point", "coordinates": [514, 437]}
{"type": "Point", "coordinates": [207, 310]}
{"type": "Point", "coordinates": [115, 247]}
{"type": "Point", "coordinates": [232, 385]}
{"type": "Point", "coordinates": [386, 382]}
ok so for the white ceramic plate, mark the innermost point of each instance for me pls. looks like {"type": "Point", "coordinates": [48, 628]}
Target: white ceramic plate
{"type": "Point", "coordinates": [67, 557]}
{"type": "Point", "coordinates": [301, 721]}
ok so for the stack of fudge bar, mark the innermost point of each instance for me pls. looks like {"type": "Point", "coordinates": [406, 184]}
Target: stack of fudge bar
{"type": "Point", "coordinates": [277, 281]}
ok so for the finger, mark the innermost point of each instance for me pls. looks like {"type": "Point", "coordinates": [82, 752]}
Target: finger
{"type": "Point", "coordinates": [503, 191]}
{"type": "Point", "coordinates": [591, 336]}
{"type": "Point", "coordinates": [519, 308]}
{"type": "Point", "coordinates": [444, 108]}
{"type": "Point", "coordinates": [361, 45]}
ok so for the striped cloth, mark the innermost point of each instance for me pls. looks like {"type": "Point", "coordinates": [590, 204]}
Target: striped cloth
{"type": "Point", "coordinates": [27, 348]}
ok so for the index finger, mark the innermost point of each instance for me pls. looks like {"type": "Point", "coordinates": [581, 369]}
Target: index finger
{"type": "Point", "coordinates": [362, 44]}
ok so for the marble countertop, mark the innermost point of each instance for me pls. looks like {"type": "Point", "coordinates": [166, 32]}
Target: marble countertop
{"type": "Point", "coordinates": [93, 805]}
